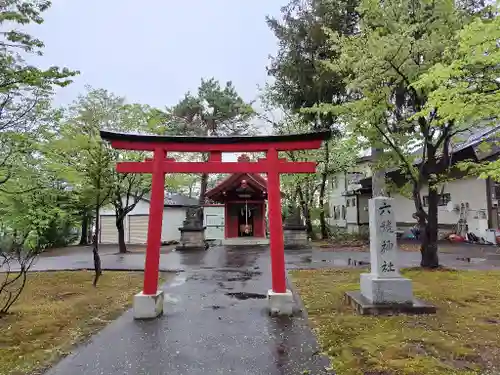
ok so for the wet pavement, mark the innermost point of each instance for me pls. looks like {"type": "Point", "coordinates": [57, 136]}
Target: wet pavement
{"type": "Point", "coordinates": [215, 319]}
{"type": "Point", "coordinates": [215, 322]}
{"type": "Point", "coordinates": [460, 257]}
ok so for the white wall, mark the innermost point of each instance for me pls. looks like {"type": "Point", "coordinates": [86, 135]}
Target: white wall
{"type": "Point", "coordinates": [351, 210]}
{"type": "Point", "coordinates": [363, 209]}
{"type": "Point", "coordinates": [172, 219]}
{"type": "Point", "coordinates": [142, 208]}
{"type": "Point", "coordinates": [337, 199]}
{"type": "Point", "coordinates": [471, 190]}
{"type": "Point", "coordinates": [337, 186]}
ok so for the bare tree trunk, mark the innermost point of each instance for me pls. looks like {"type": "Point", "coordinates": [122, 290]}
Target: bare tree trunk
{"type": "Point", "coordinates": [84, 236]}
{"type": "Point", "coordinates": [322, 190]}
{"type": "Point", "coordinates": [378, 177]}
{"type": "Point", "coordinates": [429, 234]}
{"type": "Point", "coordinates": [306, 213]}
{"type": "Point", "coordinates": [121, 234]}
{"type": "Point", "coordinates": [427, 221]}
{"type": "Point", "coordinates": [322, 218]}
{"type": "Point", "coordinates": [95, 247]}
{"type": "Point", "coordinates": [203, 188]}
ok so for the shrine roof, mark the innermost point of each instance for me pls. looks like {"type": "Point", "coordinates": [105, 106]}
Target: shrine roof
{"type": "Point", "coordinates": [241, 139]}
{"type": "Point", "coordinates": [175, 200]}
{"type": "Point", "coordinates": [232, 181]}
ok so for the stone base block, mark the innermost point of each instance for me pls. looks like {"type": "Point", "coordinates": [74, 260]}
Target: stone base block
{"type": "Point", "coordinates": [295, 238]}
{"type": "Point", "coordinates": [280, 303]}
{"type": "Point", "coordinates": [365, 307]}
{"type": "Point", "coordinates": [192, 239]}
{"type": "Point", "coordinates": [379, 290]}
{"type": "Point", "coordinates": [192, 247]}
{"type": "Point", "coordinates": [148, 306]}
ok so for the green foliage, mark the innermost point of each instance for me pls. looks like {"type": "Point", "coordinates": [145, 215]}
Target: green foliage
{"type": "Point", "coordinates": [215, 111]}
{"type": "Point", "coordinates": [416, 86]}
{"type": "Point", "coordinates": [33, 210]}
{"type": "Point", "coordinates": [419, 74]}
{"type": "Point", "coordinates": [36, 206]}
{"type": "Point", "coordinates": [88, 163]}
{"type": "Point", "coordinates": [300, 79]}
{"type": "Point", "coordinates": [311, 190]}
{"type": "Point", "coordinates": [25, 90]}
{"type": "Point", "coordinates": [78, 154]}
{"type": "Point", "coordinates": [465, 84]}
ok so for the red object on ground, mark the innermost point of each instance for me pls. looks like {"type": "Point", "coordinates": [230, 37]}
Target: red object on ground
{"type": "Point", "coordinates": [272, 165]}
{"type": "Point", "coordinates": [456, 238]}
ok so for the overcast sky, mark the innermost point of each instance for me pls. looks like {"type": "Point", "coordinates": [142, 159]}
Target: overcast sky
{"type": "Point", "coordinates": [153, 52]}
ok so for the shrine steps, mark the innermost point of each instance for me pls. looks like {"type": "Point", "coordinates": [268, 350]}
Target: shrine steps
{"type": "Point", "coordinates": [246, 241]}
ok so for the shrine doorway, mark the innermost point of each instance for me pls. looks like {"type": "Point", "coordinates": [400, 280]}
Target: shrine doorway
{"type": "Point", "coordinates": [241, 199]}
{"type": "Point", "coordinates": [245, 221]}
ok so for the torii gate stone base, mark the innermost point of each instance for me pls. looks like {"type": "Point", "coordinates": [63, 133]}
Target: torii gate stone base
{"type": "Point", "coordinates": [149, 303]}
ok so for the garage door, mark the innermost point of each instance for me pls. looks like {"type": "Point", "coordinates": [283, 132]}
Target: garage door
{"type": "Point", "coordinates": [109, 233]}
{"type": "Point", "coordinates": [138, 228]}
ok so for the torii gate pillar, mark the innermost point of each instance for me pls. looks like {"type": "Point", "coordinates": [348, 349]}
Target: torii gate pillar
{"type": "Point", "coordinates": [149, 303]}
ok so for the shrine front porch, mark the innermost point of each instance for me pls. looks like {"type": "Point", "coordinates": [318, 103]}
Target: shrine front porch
{"type": "Point", "coordinates": [246, 241]}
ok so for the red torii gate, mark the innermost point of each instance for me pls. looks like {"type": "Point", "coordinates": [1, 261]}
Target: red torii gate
{"type": "Point", "coordinates": [160, 164]}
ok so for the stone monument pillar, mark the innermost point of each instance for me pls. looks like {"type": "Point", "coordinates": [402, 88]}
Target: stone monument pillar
{"type": "Point", "coordinates": [384, 285]}
{"type": "Point", "coordinates": [384, 290]}
{"type": "Point", "coordinates": [294, 230]}
{"type": "Point", "coordinates": [192, 231]}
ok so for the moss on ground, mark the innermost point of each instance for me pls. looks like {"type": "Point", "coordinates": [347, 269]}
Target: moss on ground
{"type": "Point", "coordinates": [462, 338]}
{"type": "Point", "coordinates": [58, 310]}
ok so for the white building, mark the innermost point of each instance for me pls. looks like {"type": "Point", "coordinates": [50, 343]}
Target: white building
{"type": "Point", "coordinates": [136, 221]}
{"type": "Point", "coordinates": [474, 199]}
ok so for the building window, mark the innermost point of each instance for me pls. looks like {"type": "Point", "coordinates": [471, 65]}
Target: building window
{"type": "Point", "coordinates": [496, 189]}
{"type": "Point", "coordinates": [348, 202]}
{"type": "Point", "coordinates": [354, 202]}
{"type": "Point", "coordinates": [336, 212]}
{"type": "Point", "coordinates": [343, 212]}
{"type": "Point", "coordinates": [443, 199]}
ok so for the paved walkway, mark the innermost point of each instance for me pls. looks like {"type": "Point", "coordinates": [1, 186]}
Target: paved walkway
{"type": "Point", "coordinates": [215, 318]}
{"type": "Point", "coordinates": [215, 322]}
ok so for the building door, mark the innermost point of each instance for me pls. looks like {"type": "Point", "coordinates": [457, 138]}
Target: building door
{"type": "Point", "coordinates": [214, 222]}
{"type": "Point", "coordinates": [494, 218]}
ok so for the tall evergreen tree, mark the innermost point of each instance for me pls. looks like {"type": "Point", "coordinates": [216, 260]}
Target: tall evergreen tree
{"type": "Point", "coordinates": [213, 111]}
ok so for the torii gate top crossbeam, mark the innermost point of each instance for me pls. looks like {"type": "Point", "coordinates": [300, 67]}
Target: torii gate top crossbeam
{"type": "Point", "coordinates": [260, 143]}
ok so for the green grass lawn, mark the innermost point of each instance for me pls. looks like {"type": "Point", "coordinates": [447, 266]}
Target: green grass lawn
{"type": "Point", "coordinates": [58, 310]}
{"type": "Point", "coordinates": [462, 338]}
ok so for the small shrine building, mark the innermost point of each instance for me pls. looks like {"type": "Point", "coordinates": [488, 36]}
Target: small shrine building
{"type": "Point", "coordinates": [237, 209]}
